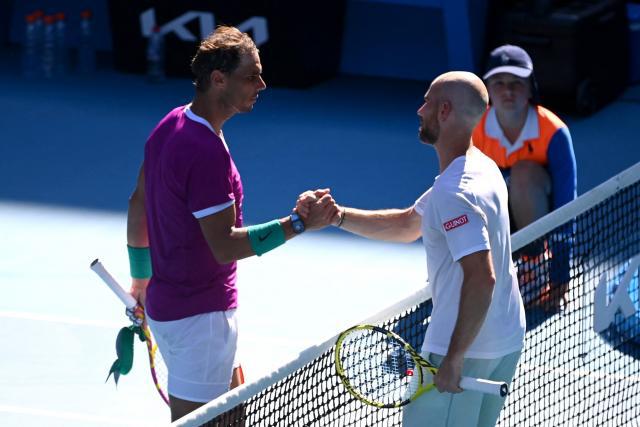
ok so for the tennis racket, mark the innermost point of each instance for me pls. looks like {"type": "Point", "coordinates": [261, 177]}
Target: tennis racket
{"type": "Point", "coordinates": [156, 362]}
{"type": "Point", "coordinates": [380, 369]}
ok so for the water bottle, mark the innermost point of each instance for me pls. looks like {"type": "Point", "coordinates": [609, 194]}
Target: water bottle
{"type": "Point", "coordinates": [62, 50]}
{"type": "Point", "coordinates": [86, 48]}
{"type": "Point", "coordinates": [29, 48]}
{"type": "Point", "coordinates": [38, 23]}
{"type": "Point", "coordinates": [49, 47]}
{"type": "Point", "coordinates": [155, 56]}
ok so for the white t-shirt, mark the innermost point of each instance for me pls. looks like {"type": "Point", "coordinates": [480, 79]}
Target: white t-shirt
{"type": "Point", "coordinates": [464, 212]}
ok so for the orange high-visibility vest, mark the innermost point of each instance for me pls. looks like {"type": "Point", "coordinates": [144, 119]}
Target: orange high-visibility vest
{"type": "Point", "coordinates": [533, 149]}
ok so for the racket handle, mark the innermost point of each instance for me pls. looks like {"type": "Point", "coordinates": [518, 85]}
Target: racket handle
{"type": "Point", "coordinates": [124, 296]}
{"type": "Point", "coordinates": [496, 388]}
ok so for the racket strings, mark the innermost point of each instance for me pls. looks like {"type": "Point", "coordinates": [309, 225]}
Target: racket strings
{"type": "Point", "coordinates": [378, 367]}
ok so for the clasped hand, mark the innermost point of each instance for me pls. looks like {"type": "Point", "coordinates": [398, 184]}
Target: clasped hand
{"type": "Point", "coordinates": [317, 209]}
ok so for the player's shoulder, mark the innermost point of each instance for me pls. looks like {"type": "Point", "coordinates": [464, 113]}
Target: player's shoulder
{"type": "Point", "coordinates": [171, 118]}
{"type": "Point", "coordinates": [198, 133]}
{"type": "Point", "coordinates": [204, 147]}
{"type": "Point", "coordinates": [166, 123]}
{"type": "Point", "coordinates": [453, 181]}
{"type": "Point", "coordinates": [486, 165]}
{"type": "Point", "coordinates": [188, 139]}
{"type": "Point", "coordinates": [471, 173]}
{"type": "Point", "coordinates": [472, 166]}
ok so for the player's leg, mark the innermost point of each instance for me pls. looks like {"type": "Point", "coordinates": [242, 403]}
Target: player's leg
{"type": "Point", "coordinates": [444, 409]}
{"type": "Point", "coordinates": [237, 377]}
{"type": "Point", "coordinates": [492, 405]}
{"type": "Point", "coordinates": [163, 333]}
{"type": "Point", "coordinates": [199, 352]}
{"type": "Point", "coordinates": [529, 191]}
{"type": "Point", "coordinates": [180, 408]}
{"type": "Point", "coordinates": [237, 415]}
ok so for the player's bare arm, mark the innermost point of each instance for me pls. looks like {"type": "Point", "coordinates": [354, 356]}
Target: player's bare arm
{"type": "Point", "coordinates": [137, 235]}
{"type": "Point", "coordinates": [228, 243]}
{"type": "Point", "coordinates": [395, 225]}
{"type": "Point", "coordinates": [475, 299]}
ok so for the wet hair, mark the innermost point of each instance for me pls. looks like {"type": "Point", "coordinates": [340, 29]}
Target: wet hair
{"type": "Point", "coordinates": [221, 50]}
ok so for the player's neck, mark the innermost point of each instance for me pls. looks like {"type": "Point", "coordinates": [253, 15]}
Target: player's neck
{"type": "Point", "coordinates": [454, 147]}
{"type": "Point", "coordinates": [204, 106]}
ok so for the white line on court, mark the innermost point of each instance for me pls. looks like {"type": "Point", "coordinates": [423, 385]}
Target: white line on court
{"type": "Point", "coordinates": [76, 321]}
{"type": "Point", "coordinates": [67, 415]}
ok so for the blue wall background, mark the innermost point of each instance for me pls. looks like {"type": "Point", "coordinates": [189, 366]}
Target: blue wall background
{"type": "Point", "coordinates": [78, 140]}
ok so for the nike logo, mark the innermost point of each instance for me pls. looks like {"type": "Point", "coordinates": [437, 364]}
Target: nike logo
{"type": "Point", "coordinates": [263, 238]}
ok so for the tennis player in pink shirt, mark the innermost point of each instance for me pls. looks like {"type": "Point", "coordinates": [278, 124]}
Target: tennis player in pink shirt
{"type": "Point", "coordinates": [185, 230]}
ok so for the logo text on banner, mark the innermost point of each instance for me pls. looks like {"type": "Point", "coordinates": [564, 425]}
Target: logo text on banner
{"type": "Point", "coordinates": [256, 25]}
{"type": "Point", "coordinates": [603, 313]}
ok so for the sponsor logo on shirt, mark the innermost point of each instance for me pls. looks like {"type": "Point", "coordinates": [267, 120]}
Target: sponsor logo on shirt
{"type": "Point", "coordinates": [456, 222]}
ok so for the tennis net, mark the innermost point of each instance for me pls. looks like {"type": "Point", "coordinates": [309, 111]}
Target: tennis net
{"type": "Point", "coordinates": [578, 272]}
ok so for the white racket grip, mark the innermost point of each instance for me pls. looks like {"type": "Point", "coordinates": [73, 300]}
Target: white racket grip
{"type": "Point", "coordinates": [496, 388]}
{"type": "Point", "coordinates": [124, 296]}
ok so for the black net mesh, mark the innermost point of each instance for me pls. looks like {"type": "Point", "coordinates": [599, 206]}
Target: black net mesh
{"type": "Point", "coordinates": [569, 374]}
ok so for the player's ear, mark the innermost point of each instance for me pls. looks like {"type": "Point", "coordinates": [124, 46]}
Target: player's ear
{"type": "Point", "coordinates": [217, 78]}
{"type": "Point", "coordinates": [444, 109]}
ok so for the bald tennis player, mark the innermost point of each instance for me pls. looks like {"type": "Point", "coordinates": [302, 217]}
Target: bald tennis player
{"type": "Point", "coordinates": [478, 323]}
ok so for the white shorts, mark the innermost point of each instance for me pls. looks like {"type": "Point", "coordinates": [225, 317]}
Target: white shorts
{"type": "Point", "coordinates": [466, 409]}
{"type": "Point", "coordinates": [200, 353]}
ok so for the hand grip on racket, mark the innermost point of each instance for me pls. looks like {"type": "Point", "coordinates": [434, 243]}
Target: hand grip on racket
{"type": "Point", "coordinates": [129, 302]}
{"type": "Point", "coordinates": [156, 362]}
{"type": "Point", "coordinates": [380, 369]}
{"type": "Point", "coordinates": [123, 295]}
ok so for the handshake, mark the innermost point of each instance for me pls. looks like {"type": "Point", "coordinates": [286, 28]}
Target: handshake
{"type": "Point", "coordinates": [318, 209]}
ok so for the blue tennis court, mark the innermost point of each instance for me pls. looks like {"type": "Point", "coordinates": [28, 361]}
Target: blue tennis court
{"type": "Point", "coordinates": [59, 321]}
{"type": "Point", "coordinates": [69, 154]}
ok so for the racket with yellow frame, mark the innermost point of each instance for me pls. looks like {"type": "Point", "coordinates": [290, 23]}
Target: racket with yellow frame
{"type": "Point", "coordinates": [158, 368]}
{"type": "Point", "coordinates": [381, 369]}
